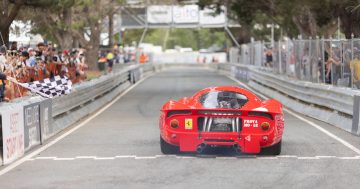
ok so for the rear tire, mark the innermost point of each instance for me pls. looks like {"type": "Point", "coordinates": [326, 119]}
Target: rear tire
{"type": "Point", "coordinates": [167, 148]}
{"type": "Point", "coordinates": [272, 150]}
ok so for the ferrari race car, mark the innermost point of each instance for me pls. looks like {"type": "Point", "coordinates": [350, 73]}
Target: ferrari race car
{"type": "Point", "coordinates": [222, 116]}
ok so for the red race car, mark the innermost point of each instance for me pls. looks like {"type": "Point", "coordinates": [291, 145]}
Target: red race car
{"type": "Point", "coordinates": [222, 116]}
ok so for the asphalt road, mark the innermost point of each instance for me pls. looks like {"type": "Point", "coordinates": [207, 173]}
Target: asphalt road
{"type": "Point", "coordinates": [120, 149]}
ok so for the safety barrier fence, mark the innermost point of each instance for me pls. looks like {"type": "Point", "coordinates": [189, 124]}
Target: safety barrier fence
{"type": "Point", "coordinates": [330, 61]}
{"type": "Point", "coordinates": [332, 104]}
{"type": "Point", "coordinates": [30, 121]}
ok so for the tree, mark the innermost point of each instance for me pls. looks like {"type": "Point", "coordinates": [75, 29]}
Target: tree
{"type": "Point", "coordinates": [88, 17]}
{"type": "Point", "coordinates": [56, 25]}
{"type": "Point", "coordinates": [81, 20]}
{"type": "Point", "coordinates": [11, 8]}
{"type": "Point", "coordinates": [306, 17]}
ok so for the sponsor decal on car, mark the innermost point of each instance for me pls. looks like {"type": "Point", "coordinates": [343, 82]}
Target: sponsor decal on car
{"type": "Point", "coordinates": [250, 123]}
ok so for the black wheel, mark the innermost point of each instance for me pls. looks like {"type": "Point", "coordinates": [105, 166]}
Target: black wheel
{"type": "Point", "coordinates": [167, 148]}
{"type": "Point", "coordinates": [272, 150]}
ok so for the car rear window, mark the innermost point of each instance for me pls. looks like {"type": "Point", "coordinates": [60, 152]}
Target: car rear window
{"type": "Point", "coordinates": [223, 99]}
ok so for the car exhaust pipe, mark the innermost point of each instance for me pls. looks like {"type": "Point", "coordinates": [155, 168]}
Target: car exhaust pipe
{"type": "Point", "coordinates": [236, 148]}
{"type": "Point", "coordinates": [200, 148]}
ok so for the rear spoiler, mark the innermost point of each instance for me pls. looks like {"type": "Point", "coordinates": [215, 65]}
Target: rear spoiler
{"type": "Point", "coordinates": [212, 112]}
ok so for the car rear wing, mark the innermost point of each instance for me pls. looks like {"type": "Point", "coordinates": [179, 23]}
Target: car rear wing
{"type": "Point", "coordinates": [223, 113]}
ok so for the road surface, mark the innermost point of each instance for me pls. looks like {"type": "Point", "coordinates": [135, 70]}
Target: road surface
{"type": "Point", "coordinates": [119, 148]}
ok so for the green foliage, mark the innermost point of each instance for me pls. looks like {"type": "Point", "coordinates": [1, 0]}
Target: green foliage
{"type": "Point", "coordinates": [194, 38]}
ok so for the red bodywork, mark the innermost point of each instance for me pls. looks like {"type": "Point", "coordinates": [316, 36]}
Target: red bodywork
{"type": "Point", "coordinates": [193, 118]}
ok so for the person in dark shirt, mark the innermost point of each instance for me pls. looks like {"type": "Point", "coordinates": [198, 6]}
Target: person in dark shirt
{"type": "Point", "coordinates": [2, 86]}
{"type": "Point", "coordinates": [2, 76]}
{"type": "Point", "coordinates": [269, 57]}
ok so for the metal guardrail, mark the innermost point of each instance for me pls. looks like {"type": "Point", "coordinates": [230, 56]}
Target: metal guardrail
{"type": "Point", "coordinates": [318, 94]}
{"type": "Point", "coordinates": [46, 117]}
{"type": "Point", "coordinates": [338, 99]}
{"type": "Point", "coordinates": [88, 91]}
{"type": "Point", "coordinates": [334, 105]}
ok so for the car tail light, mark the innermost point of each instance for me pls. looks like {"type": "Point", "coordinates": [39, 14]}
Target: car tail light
{"type": "Point", "coordinates": [265, 126]}
{"type": "Point", "coordinates": [174, 123]}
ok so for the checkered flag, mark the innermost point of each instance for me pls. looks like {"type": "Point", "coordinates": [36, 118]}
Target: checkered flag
{"type": "Point", "coordinates": [50, 87]}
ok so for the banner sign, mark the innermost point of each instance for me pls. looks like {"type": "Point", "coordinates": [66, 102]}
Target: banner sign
{"type": "Point", "coordinates": [186, 14]}
{"type": "Point", "coordinates": [209, 17]}
{"type": "Point", "coordinates": [13, 132]}
{"type": "Point", "coordinates": [32, 125]}
{"type": "Point", "coordinates": [159, 14]}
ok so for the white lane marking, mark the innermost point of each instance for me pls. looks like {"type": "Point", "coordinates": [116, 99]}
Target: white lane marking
{"type": "Point", "coordinates": [133, 157]}
{"type": "Point", "coordinates": [308, 157]}
{"type": "Point", "coordinates": [46, 146]}
{"type": "Point", "coordinates": [45, 157]}
{"type": "Point", "coordinates": [185, 157]}
{"type": "Point", "coordinates": [64, 159]}
{"type": "Point", "coordinates": [355, 157]}
{"type": "Point", "coordinates": [85, 157]}
{"type": "Point", "coordinates": [145, 157]}
{"type": "Point", "coordinates": [286, 156]}
{"type": "Point", "coordinates": [104, 158]}
{"type": "Point", "coordinates": [233, 158]}
{"type": "Point", "coordinates": [126, 156]}
{"type": "Point", "coordinates": [267, 157]}
{"type": "Point", "coordinates": [340, 140]}
{"type": "Point", "coordinates": [324, 157]}
{"type": "Point", "coordinates": [160, 156]}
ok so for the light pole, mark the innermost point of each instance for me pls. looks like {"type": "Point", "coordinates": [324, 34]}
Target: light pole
{"type": "Point", "coordinates": [272, 26]}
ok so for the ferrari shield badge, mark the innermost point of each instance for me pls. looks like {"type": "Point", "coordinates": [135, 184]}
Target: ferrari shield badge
{"type": "Point", "coordinates": [188, 124]}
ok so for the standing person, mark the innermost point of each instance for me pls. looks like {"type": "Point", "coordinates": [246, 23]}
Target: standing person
{"type": "Point", "coordinates": [64, 56]}
{"type": "Point", "coordinates": [126, 54]}
{"type": "Point", "coordinates": [2, 59]}
{"type": "Point", "coordinates": [330, 60]}
{"type": "Point", "coordinates": [355, 69]}
{"type": "Point", "coordinates": [2, 86]}
{"type": "Point", "coordinates": [82, 66]}
{"type": "Point", "coordinates": [204, 59]}
{"type": "Point", "coordinates": [32, 57]}
{"type": "Point", "coordinates": [269, 57]}
{"type": "Point", "coordinates": [305, 65]}
{"type": "Point", "coordinates": [30, 71]}
{"type": "Point", "coordinates": [143, 58]}
{"type": "Point", "coordinates": [110, 59]}
{"type": "Point", "coordinates": [14, 46]}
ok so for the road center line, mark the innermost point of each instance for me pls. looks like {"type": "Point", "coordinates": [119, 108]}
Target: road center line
{"type": "Point", "coordinates": [76, 127]}
{"type": "Point", "coordinates": [340, 140]}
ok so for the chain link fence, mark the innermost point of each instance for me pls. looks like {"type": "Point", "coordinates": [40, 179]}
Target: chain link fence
{"type": "Point", "coordinates": [329, 61]}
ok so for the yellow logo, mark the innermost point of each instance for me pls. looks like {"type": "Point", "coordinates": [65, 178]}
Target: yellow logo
{"type": "Point", "coordinates": [188, 124]}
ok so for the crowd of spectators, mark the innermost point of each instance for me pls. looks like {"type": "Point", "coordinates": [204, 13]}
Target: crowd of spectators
{"type": "Point", "coordinates": [27, 64]}
{"type": "Point", "coordinates": [330, 62]}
